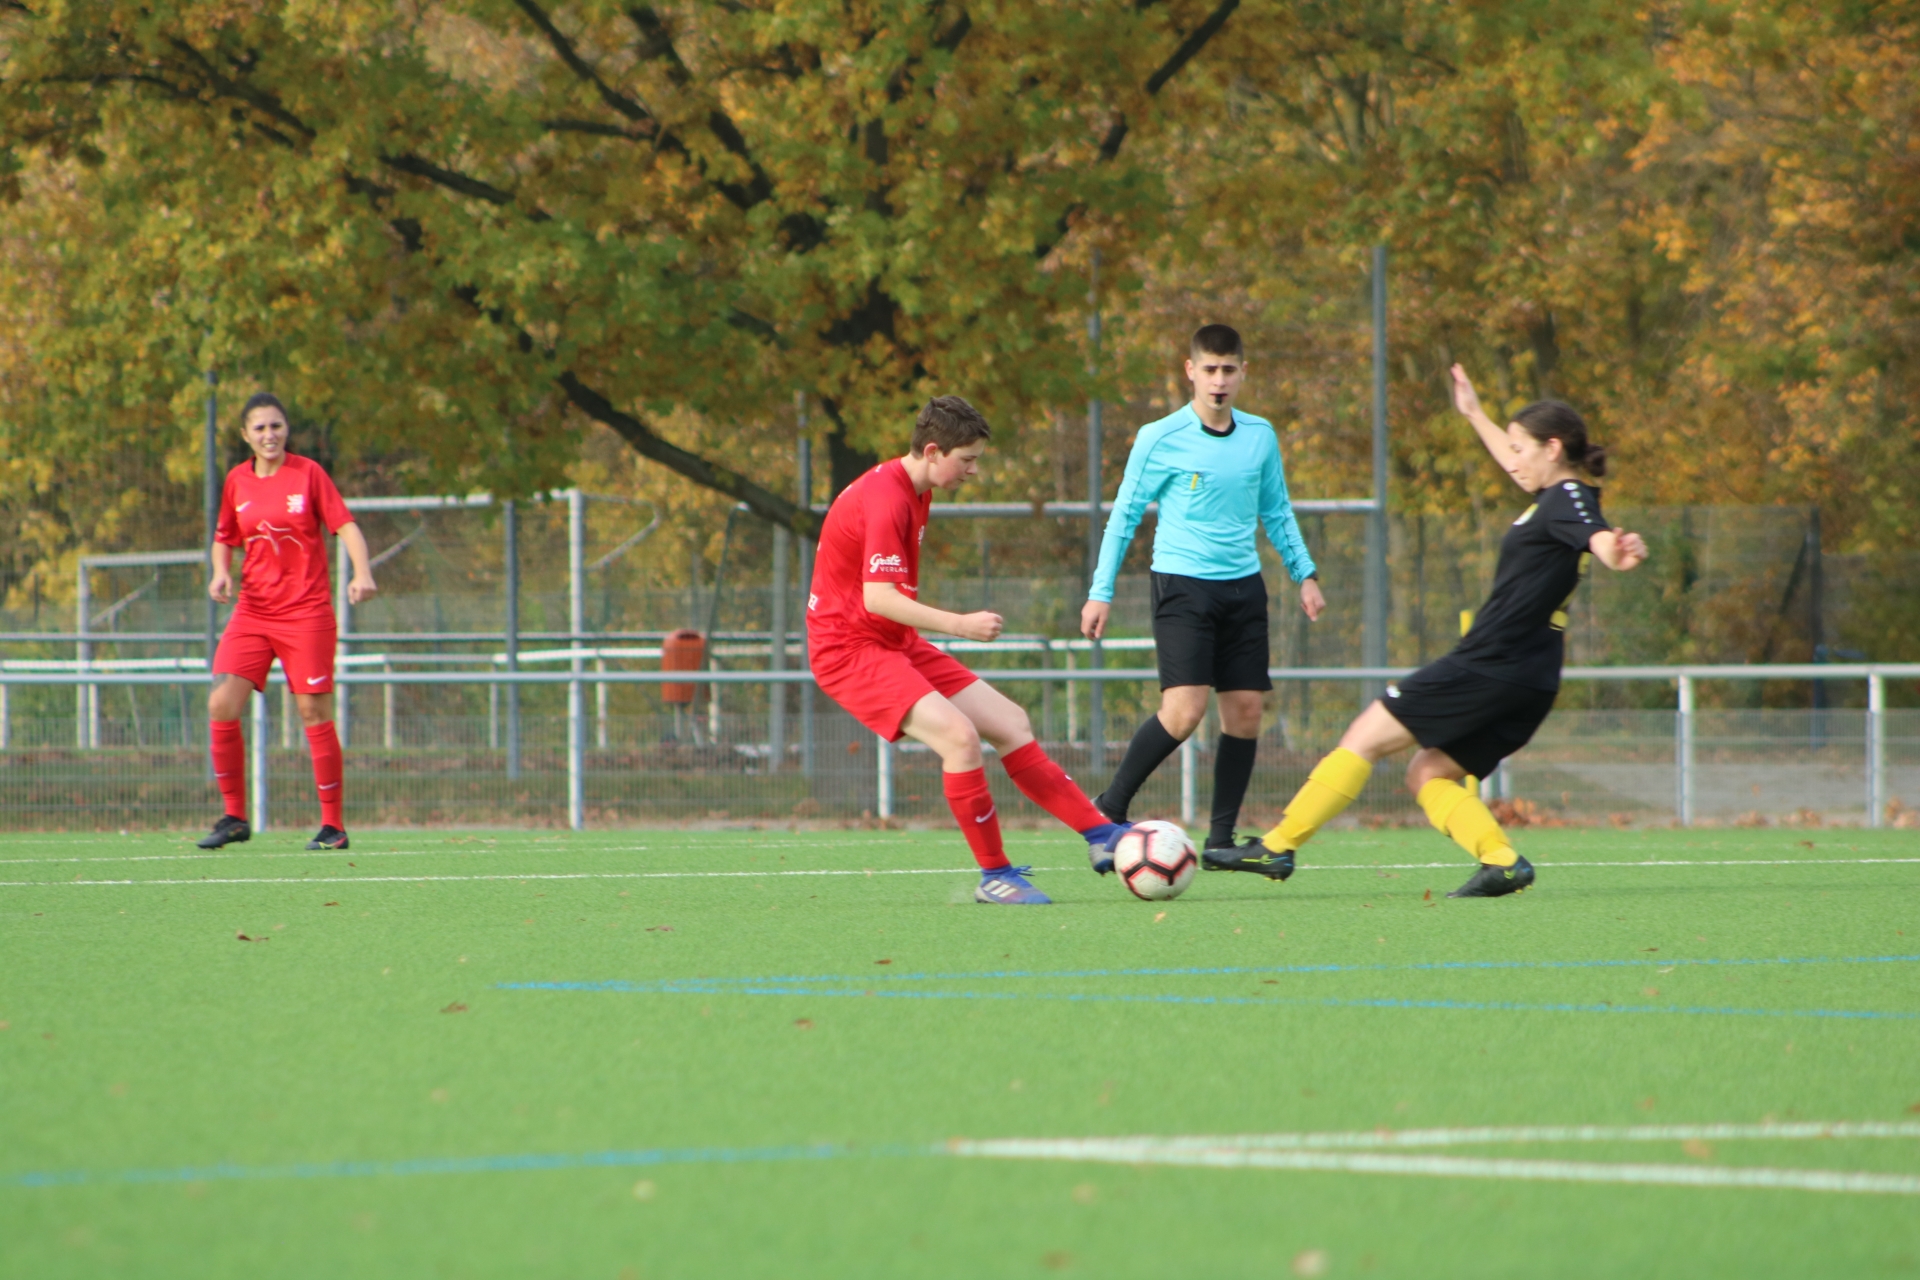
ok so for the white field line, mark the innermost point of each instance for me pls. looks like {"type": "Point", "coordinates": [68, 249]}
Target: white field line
{"type": "Point", "coordinates": [1364, 1138]}
{"type": "Point", "coordinates": [533, 875]}
{"type": "Point", "coordinates": [1106, 1151]}
{"type": "Point", "coordinates": [877, 871]}
{"type": "Point", "coordinates": [1311, 1152]}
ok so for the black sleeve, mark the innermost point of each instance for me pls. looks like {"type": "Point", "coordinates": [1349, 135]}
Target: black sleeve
{"type": "Point", "coordinates": [1573, 514]}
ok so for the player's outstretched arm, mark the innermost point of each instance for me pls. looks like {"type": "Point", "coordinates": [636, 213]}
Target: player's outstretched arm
{"type": "Point", "coordinates": [1618, 549]}
{"type": "Point", "coordinates": [887, 600]}
{"type": "Point", "coordinates": [361, 585]}
{"type": "Point", "coordinates": [1467, 401]}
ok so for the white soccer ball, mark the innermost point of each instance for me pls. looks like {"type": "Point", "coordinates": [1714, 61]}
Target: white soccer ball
{"type": "Point", "coordinates": [1155, 860]}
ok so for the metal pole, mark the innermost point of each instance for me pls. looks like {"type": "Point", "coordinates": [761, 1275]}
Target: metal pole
{"type": "Point", "coordinates": [1876, 750]}
{"type": "Point", "coordinates": [577, 623]}
{"type": "Point", "coordinates": [1373, 644]}
{"type": "Point", "coordinates": [1188, 755]}
{"type": "Point", "coordinates": [386, 709]}
{"type": "Point", "coordinates": [83, 700]}
{"type": "Point", "coordinates": [258, 768]}
{"type": "Point", "coordinates": [1683, 753]}
{"type": "Point", "coordinates": [343, 623]}
{"type": "Point", "coordinates": [777, 659]}
{"type": "Point", "coordinates": [510, 524]}
{"type": "Point", "coordinates": [805, 468]}
{"type": "Point", "coordinates": [883, 799]}
{"type": "Point", "coordinates": [1096, 692]}
{"type": "Point", "coordinates": [600, 705]}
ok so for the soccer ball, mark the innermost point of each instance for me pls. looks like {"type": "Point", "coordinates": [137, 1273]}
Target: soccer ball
{"type": "Point", "coordinates": [1156, 860]}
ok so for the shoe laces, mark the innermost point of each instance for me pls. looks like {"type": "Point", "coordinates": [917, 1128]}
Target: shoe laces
{"type": "Point", "coordinates": [1011, 873]}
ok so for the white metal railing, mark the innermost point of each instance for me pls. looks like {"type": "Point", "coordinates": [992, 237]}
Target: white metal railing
{"type": "Point", "coordinates": [355, 672]}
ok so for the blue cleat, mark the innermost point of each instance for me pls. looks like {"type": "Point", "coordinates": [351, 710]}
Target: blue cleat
{"type": "Point", "coordinates": [1100, 844]}
{"type": "Point", "coordinates": [1008, 885]}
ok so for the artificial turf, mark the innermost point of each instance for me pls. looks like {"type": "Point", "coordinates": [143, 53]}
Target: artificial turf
{"type": "Point", "coordinates": [481, 1072]}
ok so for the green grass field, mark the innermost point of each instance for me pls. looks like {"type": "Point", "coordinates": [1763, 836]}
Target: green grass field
{"type": "Point", "coordinates": [651, 1053]}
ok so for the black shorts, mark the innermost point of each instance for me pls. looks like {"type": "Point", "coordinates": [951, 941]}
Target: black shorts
{"type": "Point", "coordinates": [1477, 720]}
{"type": "Point", "coordinates": [1211, 632]}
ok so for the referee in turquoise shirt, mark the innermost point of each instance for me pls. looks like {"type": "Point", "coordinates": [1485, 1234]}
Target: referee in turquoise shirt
{"type": "Point", "coordinates": [1216, 473]}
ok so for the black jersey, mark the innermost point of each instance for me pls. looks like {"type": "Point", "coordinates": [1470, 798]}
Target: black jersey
{"type": "Point", "coordinates": [1519, 633]}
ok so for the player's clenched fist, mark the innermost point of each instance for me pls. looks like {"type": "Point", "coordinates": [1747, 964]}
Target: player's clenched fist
{"type": "Point", "coordinates": [980, 626]}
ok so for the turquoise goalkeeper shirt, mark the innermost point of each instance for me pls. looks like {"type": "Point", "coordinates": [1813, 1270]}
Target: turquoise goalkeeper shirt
{"type": "Point", "coordinates": [1212, 490]}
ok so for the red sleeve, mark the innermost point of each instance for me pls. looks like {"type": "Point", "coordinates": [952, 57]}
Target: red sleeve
{"type": "Point", "coordinates": [328, 502]}
{"type": "Point", "coordinates": [883, 545]}
{"type": "Point", "coordinates": [226, 529]}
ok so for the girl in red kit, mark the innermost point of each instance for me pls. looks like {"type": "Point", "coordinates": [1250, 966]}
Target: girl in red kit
{"type": "Point", "coordinates": [273, 507]}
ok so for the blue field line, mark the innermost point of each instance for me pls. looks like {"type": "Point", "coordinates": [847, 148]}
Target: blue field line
{"type": "Point", "coordinates": [538, 1161]}
{"type": "Point", "coordinates": [1077, 997]}
{"type": "Point", "coordinates": [1211, 971]}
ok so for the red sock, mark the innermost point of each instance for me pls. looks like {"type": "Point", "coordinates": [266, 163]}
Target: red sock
{"type": "Point", "coordinates": [325, 745]}
{"type": "Point", "coordinates": [229, 765]}
{"type": "Point", "coordinates": [972, 806]}
{"type": "Point", "coordinates": [1047, 785]}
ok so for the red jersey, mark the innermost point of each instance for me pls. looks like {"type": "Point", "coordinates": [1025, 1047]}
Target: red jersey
{"type": "Point", "coordinates": [276, 521]}
{"type": "Point", "coordinates": [872, 533]}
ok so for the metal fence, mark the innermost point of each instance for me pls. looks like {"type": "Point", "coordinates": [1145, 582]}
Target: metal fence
{"type": "Point", "coordinates": [596, 746]}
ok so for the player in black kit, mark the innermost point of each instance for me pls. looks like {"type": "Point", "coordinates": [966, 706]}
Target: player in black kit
{"type": "Point", "coordinates": [1482, 702]}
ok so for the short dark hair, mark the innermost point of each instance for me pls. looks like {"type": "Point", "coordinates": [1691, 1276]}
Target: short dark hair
{"type": "Point", "coordinates": [263, 400]}
{"type": "Point", "coordinates": [949, 422]}
{"type": "Point", "coordinates": [1216, 340]}
{"type": "Point", "coordinates": [1546, 420]}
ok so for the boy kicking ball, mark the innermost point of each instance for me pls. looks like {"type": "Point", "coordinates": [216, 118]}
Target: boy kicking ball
{"type": "Point", "coordinates": [863, 635]}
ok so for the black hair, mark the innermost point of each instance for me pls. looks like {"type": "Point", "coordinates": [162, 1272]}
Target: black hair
{"type": "Point", "coordinates": [949, 422]}
{"type": "Point", "coordinates": [1546, 420]}
{"type": "Point", "coordinates": [262, 400]}
{"type": "Point", "coordinates": [1216, 340]}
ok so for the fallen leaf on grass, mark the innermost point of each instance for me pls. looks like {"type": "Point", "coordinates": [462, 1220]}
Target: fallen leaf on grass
{"type": "Point", "coordinates": [1913, 1110]}
{"type": "Point", "coordinates": [455, 1007]}
{"type": "Point", "coordinates": [1696, 1149]}
{"type": "Point", "coordinates": [1058, 1260]}
{"type": "Point", "coordinates": [1645, 1104]}
{"type": "Point", "coordinates": [1427, 896]}
{"type": "Point", "coordinates": [1649, 948]}
{"type": "Point", "coordinates": [805, 1024]}
{"type": "Point", "coordinates": [1270, 982]}
{"type": "Point", "coordinates": [1158, 916]}
{"type": "Point", "coordinates": [1649, 991]}
{"type": "Point", "coordinates": [1310, 1262]}
{"type": "Point", "coordinates": [244, 938]}
{"type": "Point", "coordinates": [1669, 969]}
{"type": "Point", "coordinates": [660, 928]}
{"type": "Point", "coordinates": [1085, 1193]}
{"type": "Point", "coordinates": [329, 904]}
{"type": "Point", "coordinates": [883, 962]}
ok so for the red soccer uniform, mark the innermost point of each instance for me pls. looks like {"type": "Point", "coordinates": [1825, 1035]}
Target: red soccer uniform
{"type": "Point", "coordinates": [875, 668]}
{"type": "Point", "coordinates": [285, 608]}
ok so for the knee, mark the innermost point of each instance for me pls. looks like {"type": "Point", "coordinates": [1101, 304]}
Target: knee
{"type": "Point", "coordinates": [959, 745]}
{"type": "Point", "coordinates": [1240, 716]}
{"type": "Point", "coordinates": [1181, 718]}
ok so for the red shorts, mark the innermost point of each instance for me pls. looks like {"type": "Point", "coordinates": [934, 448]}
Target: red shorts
{"type": "Point", "coordinates": [878, 686]}
{"type": "Point", "coordinates": [305, 650]}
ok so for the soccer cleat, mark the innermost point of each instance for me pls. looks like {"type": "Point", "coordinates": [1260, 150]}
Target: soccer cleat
{"type": "Point", "coordinates": [1101, 842]}
{"type": "Point", "coordinates": [328, 838]}
{"type": "Point", "coordinates": [1496, 882]}
{"type": "Point", "coordinates": [1008, 886]}
{"type": "Point", "coordinates": [1253, 856]}
{"type": "Point", "coordinates": [229, 830]}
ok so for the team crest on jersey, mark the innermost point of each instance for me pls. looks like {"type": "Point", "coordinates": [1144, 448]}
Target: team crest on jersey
{"type": "Point", "coordinates": [877, 562]}
{"type": "Point", "coordinates": [296, 503]}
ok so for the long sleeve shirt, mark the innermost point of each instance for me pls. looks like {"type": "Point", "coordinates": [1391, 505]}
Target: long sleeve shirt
{"type": "Point", "coordinates": [1212, 491]}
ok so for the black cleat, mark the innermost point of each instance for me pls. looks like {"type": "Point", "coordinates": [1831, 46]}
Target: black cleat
{"type": "Point", "coordinates": [1496, 882]}
{"type": "Point", "coordinates": [1254, 857]}
{"type": "Point", "coordinates": [328, 838]}
{"type": "Point", "coordinates": [229, 830]}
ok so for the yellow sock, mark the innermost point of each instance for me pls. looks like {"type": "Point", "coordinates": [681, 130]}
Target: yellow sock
{"type": "Point", "coordinates": [1467, 822]}
{"type": "Point", "coordinates": [1334, 784]}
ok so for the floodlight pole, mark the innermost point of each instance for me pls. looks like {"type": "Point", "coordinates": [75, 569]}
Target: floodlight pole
{"type": "Point", "coordinates": [1373, 645]}
{"type": "Point", "coordinates": [1096, 702]}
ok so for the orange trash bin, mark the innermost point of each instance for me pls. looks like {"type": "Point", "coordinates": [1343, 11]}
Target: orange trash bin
{"type": "Point", "coordinates": [683, 650]}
